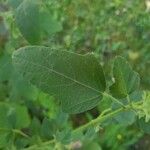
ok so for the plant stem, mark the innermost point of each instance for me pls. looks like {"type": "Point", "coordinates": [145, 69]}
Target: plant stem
{"type": "Point", "coordinates": [94, 122]}
{"type": "Point", "coordinates": [105, 111]}
{"type": "Point", "coordinates": [16, 131]}
{"type": "Point", "coordinates": [100, 119]}
{"type": "Point", "coordinates": [20, 132]}
{"type": "Point", "coordinates": [40, 147]}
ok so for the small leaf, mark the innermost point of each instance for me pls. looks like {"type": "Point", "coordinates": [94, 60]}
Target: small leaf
{"type": "Point", "coordinates": [48, 128]}
{"type": "Point", "coordinates": [126, 80]}
{"type": "Point", "coordinates": [35, 127]}
{"type": "Point", "coordinates": [22, 117]}
{"type": "Point", "coordinates": [77, 80]}
{"type": "Point", "coordinates": [64, 136]}
{"type": "Point", "coordinates": [13, 116]}
{"type": "Point", "coordinates": [145, 126]}
{"type": "Point", "coordinates": [22, 142]}
{"type": "Point", "coordinates": [90, 134]}
{"type": "Point", "coordinates": [126, 118]}
{"type": "Point", "coordinates": [6, 139]}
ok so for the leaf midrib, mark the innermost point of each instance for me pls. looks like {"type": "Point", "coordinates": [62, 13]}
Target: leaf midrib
{"type": "Point", "coordinates": [60, 74]}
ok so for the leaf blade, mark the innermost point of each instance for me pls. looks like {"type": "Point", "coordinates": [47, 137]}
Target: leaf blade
{"type": "Point", "coordinates": [35, 21]}
{"type": "Point", "coordinates": [126, 80]}
{"type": "Point", "coordinates": [77, 80]}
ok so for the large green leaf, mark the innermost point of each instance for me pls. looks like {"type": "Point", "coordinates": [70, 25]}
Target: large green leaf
{"type": "Point", "coordinates": [35, 21]}
{"type": "Point", "coordinates": [126, 80]}
{"type": "Point", "coordinates": [77, 80]}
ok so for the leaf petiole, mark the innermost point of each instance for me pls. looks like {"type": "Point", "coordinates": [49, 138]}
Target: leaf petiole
{"type": "Point", "coordinates": [114, 99]}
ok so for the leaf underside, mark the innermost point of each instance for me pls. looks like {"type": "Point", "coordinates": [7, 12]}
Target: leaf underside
{"type": "Point", "coordinates": [77, 80]}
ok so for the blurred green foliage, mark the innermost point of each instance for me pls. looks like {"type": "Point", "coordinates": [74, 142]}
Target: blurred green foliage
{"type": "Point", "coordinates": [106, 28]}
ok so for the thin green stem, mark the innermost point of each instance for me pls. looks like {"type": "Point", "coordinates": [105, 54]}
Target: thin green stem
{"type": "Point", "coordinates": [95, 122]}
{"type": "Point", "coordinates": [20, 132]}
{"type": "Point", "coordinates": [36, 146]}
{"type": "Point", "coordinates": [100, 119]}
{"type": "Point", "coordinates": [16, 131]}
{"type": "Point", "coordinates": [105, 111]}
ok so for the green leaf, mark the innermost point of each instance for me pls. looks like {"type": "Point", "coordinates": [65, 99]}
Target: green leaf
{"type": "Point", "coordinates": [77, 80]}
{"type": "Point", "coordinates": [126, 80]}
{"type": "Point", "coordinates": [4, 122]}
{"type": "Point", "coordinates": [90, 134]}
{"type": "Point", "coordinates": [35, 127]}
{"type": "Point", "coordinates": [91, 146]}
{"type": "Point", "coordinates": [22, 116]}
{"type": "Point", "coordinates": [48, 128]}
{"type": "Point", "coordinates": [21, 89]}
{"type": "Point", "coordinates": [126, 118]}
{"type": "Point", "coordinates": [145, 126]}
{"type": "Point", "coordinates": [61, 119]}
{"type": "Point", "coordinates": [64, 136]}
{"type": "Point", "coordinates": [6, 139]}
{"type": "Point", "coordinates": [35, 21]}
{"type": "Point", "coordinates": [13, 116]}
{"type": "Point", "coordinates": [21, 142]}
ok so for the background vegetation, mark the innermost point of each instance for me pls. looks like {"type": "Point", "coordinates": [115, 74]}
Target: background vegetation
{"type": "Point", "coordinates": [107, 28]}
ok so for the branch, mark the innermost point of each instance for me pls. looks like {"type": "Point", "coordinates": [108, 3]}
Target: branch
{"type": "Point", "coordinates": [94, 122]}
